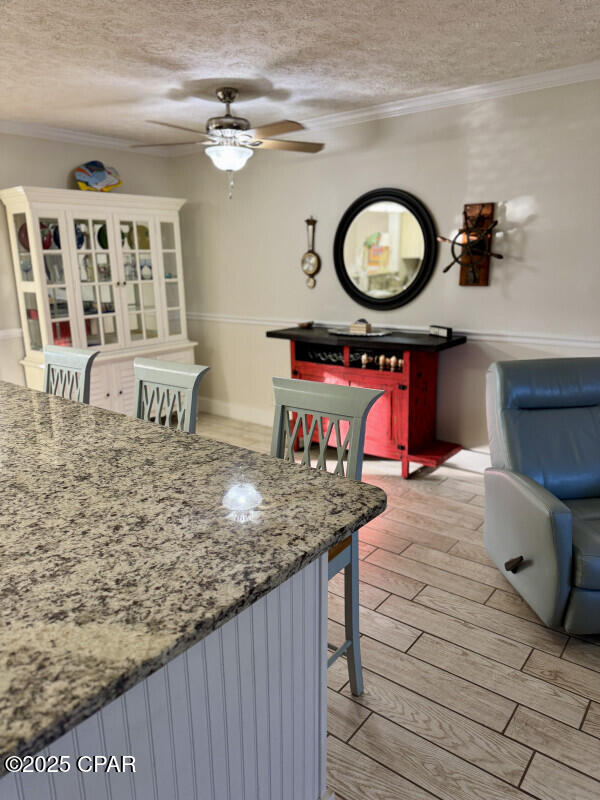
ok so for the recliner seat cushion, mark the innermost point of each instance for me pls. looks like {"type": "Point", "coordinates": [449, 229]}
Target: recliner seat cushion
{"type": "Point", "coordinates": [586, 542]}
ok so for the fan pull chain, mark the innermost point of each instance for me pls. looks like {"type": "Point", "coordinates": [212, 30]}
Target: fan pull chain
{"type": "Point", "coordinates": [230, 173]}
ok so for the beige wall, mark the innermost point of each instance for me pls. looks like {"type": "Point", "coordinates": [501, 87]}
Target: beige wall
{"type": "Point", "coordinates": [36, 162]}
{"type": "Point", "coordinates": [243, 362]}
{"type": "Point", "coordinates": [534, 154]}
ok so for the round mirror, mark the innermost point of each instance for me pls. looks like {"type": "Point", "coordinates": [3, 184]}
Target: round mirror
{"type": "Point", "coordinates": [385, 248]}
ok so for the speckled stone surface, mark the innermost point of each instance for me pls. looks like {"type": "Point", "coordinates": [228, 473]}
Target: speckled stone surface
{"type": "Point", "coordinates": [116, 552]}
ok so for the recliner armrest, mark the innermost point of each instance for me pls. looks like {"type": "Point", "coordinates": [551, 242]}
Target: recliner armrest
{"type": "Point", "coordinates": [524, 518]}
{"type": "Point", "coordinates": [520, 486]}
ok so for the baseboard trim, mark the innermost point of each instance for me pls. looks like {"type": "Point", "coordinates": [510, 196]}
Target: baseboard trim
{"type": "Point", "coordinates": [466, 460]}
{"type": "Point", "coordinates": [470, 461]}
{"type": "Point", "coordinates": [544, 340]}
{"type": "Point", "coordinates": [238, 411]}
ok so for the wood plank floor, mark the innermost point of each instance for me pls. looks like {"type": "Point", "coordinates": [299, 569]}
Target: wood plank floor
{"type": "Point", "coordinates": [467, 695]}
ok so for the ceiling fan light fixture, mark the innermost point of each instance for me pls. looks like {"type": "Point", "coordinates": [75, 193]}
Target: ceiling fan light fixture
{"type": "Point", "coordinates": [229, 157]}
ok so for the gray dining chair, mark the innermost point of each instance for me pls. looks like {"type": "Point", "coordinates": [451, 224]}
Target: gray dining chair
{"type": "Point", "coordinates": [167, 392]}
{"type": "Point", "coordinates": [67, 372]}
{"type": "Point", "coordinates": [307, 411]}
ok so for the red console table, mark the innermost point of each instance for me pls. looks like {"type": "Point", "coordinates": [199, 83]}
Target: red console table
{"type": "Point", "coordinates": [401, 424]}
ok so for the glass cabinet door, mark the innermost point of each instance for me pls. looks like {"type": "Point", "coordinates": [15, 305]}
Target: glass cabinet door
{"type": "Point", "coordinates": [51, 237]}
{"type": "Point", "coordinates": [173, 294]}
{"type": "Point", "coordinates": [93, 271]}
{"type": "Point", "coordinates": [140, 279]}
{"type": "Point", "coordinates": [32, 315]}
{"type": "Point", "coordinates": [96, 279]}
{"type": "Point", "coordinates": [23, 250]}
{"type": "Point", "coordinates": [25, 281]}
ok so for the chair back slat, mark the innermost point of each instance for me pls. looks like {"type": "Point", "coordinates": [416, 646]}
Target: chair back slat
{"type": "Point", "coordinates": [303, 408]}
{"type": "Point", "coordinates": [338, 416]}
{"type": "Point", "coordinates": [167, 392]}
{"type": "Point", "coordinates": [67, 372]}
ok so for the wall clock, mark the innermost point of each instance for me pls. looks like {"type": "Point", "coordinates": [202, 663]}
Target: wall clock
{"type": "Point", "coordinates": [311, 262]}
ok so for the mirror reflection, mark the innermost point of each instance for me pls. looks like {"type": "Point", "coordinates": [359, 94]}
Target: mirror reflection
{"type": "Point", "coordinates": [383, 249]}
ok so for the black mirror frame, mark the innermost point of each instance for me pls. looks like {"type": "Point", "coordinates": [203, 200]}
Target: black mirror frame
{"type": "Point", "coordinates": [424, 219]}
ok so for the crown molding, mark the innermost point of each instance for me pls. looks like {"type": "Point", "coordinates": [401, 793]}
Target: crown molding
{"type": "Point", "coordinates": [429, 102]}
{"type": "Point", "coordinates": [39, 131]}
{"type": "Point", "coordinates": [539, 339]}
{"type": "Point", "coordinates": [456, 97]}
{"type": "Point", "coordinates": [34, 130]}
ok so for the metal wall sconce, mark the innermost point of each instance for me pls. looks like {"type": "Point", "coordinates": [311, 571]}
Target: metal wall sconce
{"type": "Point", "coordinates": [471, 247]}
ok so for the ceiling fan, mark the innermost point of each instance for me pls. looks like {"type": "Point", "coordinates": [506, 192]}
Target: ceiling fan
{"type": "Point", "coordinates": [230, 141]}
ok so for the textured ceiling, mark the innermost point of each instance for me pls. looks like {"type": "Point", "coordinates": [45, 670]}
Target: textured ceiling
{"type": "Point", "coordinates": [106, 67]}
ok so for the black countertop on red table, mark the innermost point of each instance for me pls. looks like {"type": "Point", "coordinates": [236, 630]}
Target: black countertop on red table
{"type": "Point", "coordinates": [407, 340]}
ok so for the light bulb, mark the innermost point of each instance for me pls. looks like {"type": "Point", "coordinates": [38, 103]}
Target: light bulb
{"type": "Point", "coordinates": [228, 157]}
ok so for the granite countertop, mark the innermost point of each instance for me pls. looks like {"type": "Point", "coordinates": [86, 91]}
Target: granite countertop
{"type": "Point", "coordinates": [117, 554]}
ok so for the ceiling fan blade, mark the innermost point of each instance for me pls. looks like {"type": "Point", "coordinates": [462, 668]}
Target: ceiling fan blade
{"type": "Point", "coordinates": [169, 144]}
{"type": "Point", "coordinates": [179, 128]}
{"type": "Point", "coordinates": [276, 129]}
{"type": "Point", "coordinates": [281, 144]}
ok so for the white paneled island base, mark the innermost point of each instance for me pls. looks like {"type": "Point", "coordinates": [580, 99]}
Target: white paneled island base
{"type": "Point", "coordinates": [143, 616]}
{"type": "Point", "coordinates": [241, 714]}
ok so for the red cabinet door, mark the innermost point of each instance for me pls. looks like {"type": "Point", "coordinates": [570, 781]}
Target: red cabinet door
{"type": "Point", "coordinates": [384, 423]}
{"type": "Point", "coordinates": [386, 430]}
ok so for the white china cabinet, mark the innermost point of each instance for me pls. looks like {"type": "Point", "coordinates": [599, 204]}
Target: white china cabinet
{"type": "Point", "coordinates": [103, 271]}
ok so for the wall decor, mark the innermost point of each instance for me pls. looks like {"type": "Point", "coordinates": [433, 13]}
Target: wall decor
{"type": "Point", "coordinates": [385, 248]}
{"type": "Point", "coordinates": [94, 176]}
{"type": "Point", "coordinates": [352, 331]}
{"type": "Point", "coordinates": [311, 262]}
{"type": "Point", "coordinates": [440, 330]}
{"type": "Point", "coordinates": [361, 326]}
{"type": "Point", "coordinates": [471, 247]}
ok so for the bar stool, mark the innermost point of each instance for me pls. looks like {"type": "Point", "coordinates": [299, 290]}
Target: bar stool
{"type": "Point", "coordinates": [167, 392]}
{"type": "Point", "coordinates": [304, 409]}
{"type": "Point", "coordinates": [67, 372]}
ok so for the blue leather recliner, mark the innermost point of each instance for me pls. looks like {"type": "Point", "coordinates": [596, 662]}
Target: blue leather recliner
{"type": "Point", "coordinates": [542, 494]}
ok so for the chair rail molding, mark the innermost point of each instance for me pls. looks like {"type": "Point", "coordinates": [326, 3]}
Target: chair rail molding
{"type": "Point", "coordinates": [530, 338]}
{"type": "Point", "coordinates": [11, 333]}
